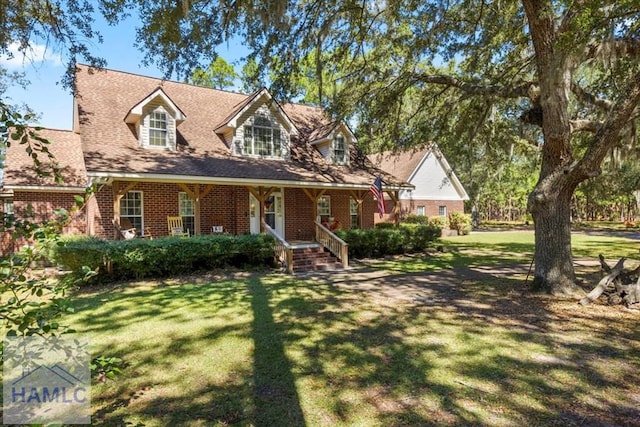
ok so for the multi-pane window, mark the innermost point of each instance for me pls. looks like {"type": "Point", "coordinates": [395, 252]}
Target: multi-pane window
{"type": "Point", "coordinates": [7, 206]}
{"type": "Point", "coordinates": [186, 207]}
{"type": "Point", "coordinates": [339, 150]}
{"type": "Point", "coordinates": [442, 210]}
{"type": "Point", "coordinates": [324, 208]}
{"type": "Point", "coordinates": [131, 208]}
{"type": "Point", "coordinates": [158, 128]}
{"type": "Point", "coordinates": [353, 210]}
{"type": "Point", "coordinates": [420, 210]}
{"type": "Point", "coordinates": [262, 138]}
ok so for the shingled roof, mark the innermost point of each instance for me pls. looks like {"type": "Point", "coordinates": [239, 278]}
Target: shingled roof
{"type": "Point", "coordinates": [64, 145]}
{"type": "Point", "coordinates": [111, 148]}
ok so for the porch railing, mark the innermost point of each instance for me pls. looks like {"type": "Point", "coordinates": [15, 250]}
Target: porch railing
{"type": "Point", "coordinates": [283, 250]}
{"type": "Point", "coordinates": [336, 245]}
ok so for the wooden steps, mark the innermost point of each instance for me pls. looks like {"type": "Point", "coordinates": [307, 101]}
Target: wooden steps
{"type": "Point", "coordinates": [314, 257]}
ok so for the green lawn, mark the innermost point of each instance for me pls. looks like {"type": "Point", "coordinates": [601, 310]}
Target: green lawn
{"type": "Point", "coordinates": [406, 346]}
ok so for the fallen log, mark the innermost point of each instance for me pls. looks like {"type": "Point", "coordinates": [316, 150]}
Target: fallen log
{"type": "Point", "coordinates": [618, 285]}
{"type": "Point", "coordinates": [605, 282]}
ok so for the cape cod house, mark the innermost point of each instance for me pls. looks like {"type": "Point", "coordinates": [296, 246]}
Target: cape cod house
{"type": "Point", "coordinates": [221, 161]}
{"type": "Point", "coordinates": [437, 190]}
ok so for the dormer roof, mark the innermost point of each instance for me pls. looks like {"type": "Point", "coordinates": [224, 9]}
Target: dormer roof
{"type": "Point", "coordinates": [136, 111]}
{"type": "Point", "coordinates": [326, 132]}
{"type": "Point", "coordinates": [259, 97]}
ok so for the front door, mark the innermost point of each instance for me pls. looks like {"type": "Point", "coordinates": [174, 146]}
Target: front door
{"type": "Point", "coordinates": [273, 213]}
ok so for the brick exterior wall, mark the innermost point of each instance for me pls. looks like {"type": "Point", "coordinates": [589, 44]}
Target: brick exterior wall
{"type": "Point", "coordinates": [41, 207]}
{"type": "Point", "coordinates": [231, 203]}
{"type": "Point", "coordinates": [409, 207]}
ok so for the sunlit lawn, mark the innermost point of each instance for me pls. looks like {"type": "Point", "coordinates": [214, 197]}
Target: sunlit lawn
{"type": "Point", "coordinates": [366, 347]}
{"type": "Point", "coordinates": [498, 247]}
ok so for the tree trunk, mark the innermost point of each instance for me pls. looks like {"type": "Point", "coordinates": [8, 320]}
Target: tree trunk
{"type": "Point", "coordinates": [550, 206]}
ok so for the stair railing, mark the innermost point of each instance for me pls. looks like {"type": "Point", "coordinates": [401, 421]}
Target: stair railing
{"type": "Point", "coordinates": [283, 250]}
{"type": "Point", "coordinates": [333, 243]}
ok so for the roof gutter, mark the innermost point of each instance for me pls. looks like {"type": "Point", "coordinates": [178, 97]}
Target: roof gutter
{"type": "Point", "coordinates": [45, 188]}
{"type": "Point", "coordinates": [108, 177]}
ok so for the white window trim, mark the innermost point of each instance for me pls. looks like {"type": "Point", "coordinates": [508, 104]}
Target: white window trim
{"type": "Point", "coordinates": [169, 130]}
{"type": "Point", "coordinates": [321, 214]}
{"type": "Point", "coordinates": [345, 160]}
{"type": "Point", "coordinates": [274, 126]}
{"type": "Point", "coordinates": [141, 230]}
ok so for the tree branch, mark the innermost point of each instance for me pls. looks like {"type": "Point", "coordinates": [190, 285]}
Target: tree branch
{"type": "Point", "coordinates": [588, 98]}
{"type": "Point", "coordinates": [523, 90]}
{"type": "Point", "coordinates": [622, 47]}
{"type": "Point", "coordinates": [608, 134]}
{"type": "Point", "coordinates": [584, 125]}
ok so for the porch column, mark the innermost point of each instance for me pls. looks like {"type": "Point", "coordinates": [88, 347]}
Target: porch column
{"type": "Point", "coordinates": [261, 194]}
{"type": "Point", "coordinates": [314, 194]}
{"type": "Point", "coordinates": [359, 196]}
{"type": "Point", "coordinates": [196, 195]}
{"type": "Point", "coordinates": [119, 189]}
{"type": "Point", "coordinates": [395, 196]}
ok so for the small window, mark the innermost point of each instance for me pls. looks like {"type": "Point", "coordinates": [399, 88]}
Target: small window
{"type": "Point", "coordinates": [339, 150]}
{"type": "Point", "coordinates": [324, 208]}
{"type": "Point", "coordinates": [186, 208]}
{"type": "Point", "coordinates": [353, 210]}
{"type": "Point", "coordinates": [131, 208]}
{"type": "Point", "coordinates": [158, 129]}
{"type": "Point", "coordinates": [7, 206]}
{"type": "Point", "coordinates": [442, 210]}
{"type": "Point", "coordinates": [420, 210]}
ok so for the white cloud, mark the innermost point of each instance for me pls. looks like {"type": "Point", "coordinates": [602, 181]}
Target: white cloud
{"type": "Point", "coordinates": [34, 55]}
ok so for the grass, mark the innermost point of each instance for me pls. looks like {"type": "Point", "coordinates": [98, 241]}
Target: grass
{"type": "Point", "coordinates": [365, 347]}
{"type": "Point", "coordinates": [498, 248]}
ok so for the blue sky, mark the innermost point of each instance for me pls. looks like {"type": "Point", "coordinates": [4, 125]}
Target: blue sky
{"type": "Point", "coordinates": [45, 69]}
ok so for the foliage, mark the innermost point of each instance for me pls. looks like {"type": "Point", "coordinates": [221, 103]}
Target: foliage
{"type": "Point", "coordinates": [440, 222]}
{"type": "Point", "coordinates": [382, 241]}
{"type": "Point", "coordinates": [139, 258]}
{"type": "Point", "coordinates": [460, 222]}
{"type": "Point", "coordinates": [218, 75]}
{"type": "Point", "coordinates": [31, 305]}
{"type": "Point", "coordinates": [416, 219]}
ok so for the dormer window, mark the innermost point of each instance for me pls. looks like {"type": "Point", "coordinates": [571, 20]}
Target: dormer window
{"type": "Point", "coordinates": [339, 150]}
{"type": "Point", "coordinates": [262, 138]}
{"type": "Point", "coordinates": [155, 120]}
{"type": "Point", "coordinates": [158, 129]}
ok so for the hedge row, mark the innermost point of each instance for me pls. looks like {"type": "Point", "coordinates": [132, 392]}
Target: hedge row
{"type": "Point", "coordinates": [139, 258]}
{"type": "Point", "coordinates": [381, 241]}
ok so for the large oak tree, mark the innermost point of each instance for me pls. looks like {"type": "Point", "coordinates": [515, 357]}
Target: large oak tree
{"type": "Point", "coordinates": [562, 74]}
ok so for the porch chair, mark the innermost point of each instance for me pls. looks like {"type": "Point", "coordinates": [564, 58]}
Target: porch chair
{"type": "Point", "coordinates": [125, 228]}
{"type": "Point", "coordinates": [176, 228]}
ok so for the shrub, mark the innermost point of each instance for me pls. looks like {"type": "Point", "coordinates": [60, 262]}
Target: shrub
{"type": "Point", "coordinates": [460, 222]}
{"type": "Point", "coordinates": [385, 225]}
{"type": "Point", "coordinates": [416, 219]}
{"type": "Point", "coordinates": [440, 222]}
{"type": "Point", "coordinates": [139, 258]}
{"type": "Point", "coordinates": [378, 242]}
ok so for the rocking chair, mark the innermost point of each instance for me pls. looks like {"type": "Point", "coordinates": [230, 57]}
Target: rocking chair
{"type": "Point", "coordinates": [176, 227]}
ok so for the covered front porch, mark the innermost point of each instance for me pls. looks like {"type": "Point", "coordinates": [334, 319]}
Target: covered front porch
{"type": "Point", "coordinates": [300, 214]}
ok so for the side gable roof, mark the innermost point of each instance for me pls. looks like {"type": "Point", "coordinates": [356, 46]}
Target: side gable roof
{"type": "Point", "coordinates": [19, 172]}
{"type": "Point", "coordinates": [405, 165]}
{"type": "Point", "coordinates": [104, 145]}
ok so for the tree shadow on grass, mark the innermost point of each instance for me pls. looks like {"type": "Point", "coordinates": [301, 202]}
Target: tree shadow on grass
{"type": "Point", "coordinates": [275, 397]}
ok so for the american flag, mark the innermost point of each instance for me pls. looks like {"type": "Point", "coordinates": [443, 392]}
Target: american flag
{"type": "Point", "coordinates": [376, 190]}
